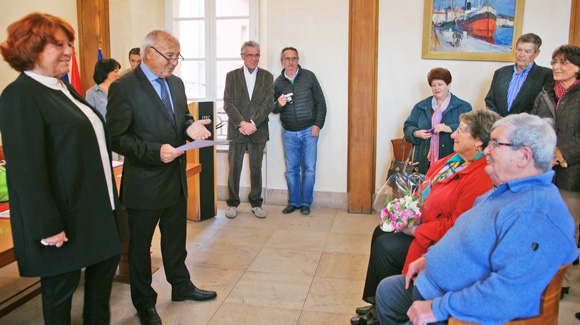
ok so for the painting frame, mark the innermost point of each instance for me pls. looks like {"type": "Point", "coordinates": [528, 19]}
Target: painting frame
{"type": "Point", "coordinates": [428, 53]}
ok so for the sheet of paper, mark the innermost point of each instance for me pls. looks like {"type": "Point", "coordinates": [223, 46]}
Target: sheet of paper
{"type": "Point", "coordinates": [201, 144]}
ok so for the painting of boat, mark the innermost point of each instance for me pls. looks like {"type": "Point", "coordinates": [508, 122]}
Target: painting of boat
{"type": "Point", "coordinates": [479, 21]}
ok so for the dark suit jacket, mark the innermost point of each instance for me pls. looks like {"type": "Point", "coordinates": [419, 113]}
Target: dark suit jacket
{"type": "Point", "coordinates": [56, 181]}
{"type": "Point", "coordinates": [139, 124]}
{"type": "Point", "coordinates": [496, 98]}
{"type": "Point", "coordinates": [239, 107]}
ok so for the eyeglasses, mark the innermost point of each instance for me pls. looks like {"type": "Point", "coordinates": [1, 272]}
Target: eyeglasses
{"type": "Point", "coordinates": [290, 59]}
{"type": "Point", "coordinates": [561, 63]}
{"type": "Point", "coordinates": [169, 57]}
{"type": "Point", "coordinates": [251, 56]}
{"type": "Point", "coordinates": [493, 144]}
{"type": "Point", "coordinates": [460, 130]}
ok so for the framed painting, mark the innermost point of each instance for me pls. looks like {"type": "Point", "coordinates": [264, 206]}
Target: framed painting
{"type": "Point", "coordinates": [479, 30]}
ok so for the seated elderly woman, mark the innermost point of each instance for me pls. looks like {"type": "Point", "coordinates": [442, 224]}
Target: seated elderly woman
{"type": "Point", "coordinates": [432, 120]}
{"type": "Point", "coordinates": [106, 71]}
{"type": "Point", "coordinates": [456, 181]}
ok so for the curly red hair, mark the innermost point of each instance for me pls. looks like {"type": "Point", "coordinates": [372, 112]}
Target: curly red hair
{"type": "Point", "coordinates": [28, 36]}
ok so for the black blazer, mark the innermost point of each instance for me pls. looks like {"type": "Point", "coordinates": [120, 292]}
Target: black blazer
{"type": "Point", "coordinates": [496, 98]}
{"type": "Point", "coordinates": [139, 124]}
{"type": "Point", "coordinates": [239, 107]}
{"type": "Point", "coordinates": [56, 181]}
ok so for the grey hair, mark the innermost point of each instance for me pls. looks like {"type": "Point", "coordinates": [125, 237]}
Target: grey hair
{"type": "Point", "coordinates": [152, 37]}
{"type": "Point", "coordinates": [479, 123]}
{"type": "Point", "coordinates": [250, 44]}
{"type": "Point", "coordinates": [531, 38]}
{"type": "Point", "coordinates": [289, 48]}
{"type": "Point", "coordinates": [534, 132]}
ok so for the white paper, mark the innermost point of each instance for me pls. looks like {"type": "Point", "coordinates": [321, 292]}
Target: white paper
{"type": "Point", "coordinates": [117, 163]}
{"type": "Point", "coordinates": [201, 144]}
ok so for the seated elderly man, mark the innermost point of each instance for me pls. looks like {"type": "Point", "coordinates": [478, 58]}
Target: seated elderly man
{"type": "Point", "coordinates": [494, 264]}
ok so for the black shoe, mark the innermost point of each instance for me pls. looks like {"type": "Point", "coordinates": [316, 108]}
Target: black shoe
{"type": "Point", "coordinates": [149, 316]}
{"type": "Point", "coordinates": [364, 310]}
{"type": "Point", "coordinates": [370, 318]}
{"type": "Point", "coordinates": [194, 294]}
{"type": "Point", "coordinates": [354, 320]}
{"type": "Point", "coordinates": [564, 291]}
{"type": "Point", "coordinates": [289, 209]}
{"type": "Point", "coordinates": [578, 316]}
{"type": "Point", "coordinates": [305, 210]}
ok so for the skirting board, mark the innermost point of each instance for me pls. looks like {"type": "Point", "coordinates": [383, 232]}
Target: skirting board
{"type": "Point", "coordinates": [334, 200]}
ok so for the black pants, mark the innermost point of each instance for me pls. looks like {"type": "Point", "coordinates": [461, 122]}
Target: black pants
{"type": "Point", "coordinates": [388, 254]}
{"type": "Point", "coordinates": [57, 292]}
{"type": "Point", "coordinates": [173, 227]}
{"type": "Point", "coordinates": [236, 160]}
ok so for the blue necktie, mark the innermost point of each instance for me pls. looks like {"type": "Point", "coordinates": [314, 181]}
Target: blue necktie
{"type": "Point", "coordinates": [165, 98]}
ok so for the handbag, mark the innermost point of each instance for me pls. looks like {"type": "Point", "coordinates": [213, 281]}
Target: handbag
{"type": "Point", "coordinates": [3, 185]}
{"type": "Point", "coordinates": [399, 166]}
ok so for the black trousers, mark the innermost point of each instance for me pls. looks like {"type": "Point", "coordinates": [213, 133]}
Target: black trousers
{"type": "Point", "coordinates": [388, 254]}
{"type": "Point", "coordinates": [173, 227]}
{"type": "Point", "coordinates": [236, 159]}
{"type": "Point", "coordinates": [57, 292]}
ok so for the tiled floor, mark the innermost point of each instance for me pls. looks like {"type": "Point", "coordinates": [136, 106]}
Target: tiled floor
{"type": "Point", "coordinates": [285, 269]}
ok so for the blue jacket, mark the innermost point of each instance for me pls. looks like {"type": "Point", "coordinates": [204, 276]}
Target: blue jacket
{"type": "Point", "coordinates": [494, 264]}
{"type": "Point", "coordinates": [420, 119]}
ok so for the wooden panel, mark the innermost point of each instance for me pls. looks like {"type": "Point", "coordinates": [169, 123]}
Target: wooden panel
{"type": "Point", "coordinates": [193, 182]}
{"type": "Point", "coordinates": [574, 37]}
{"type": "Point", "coordinates": [362, 103]}
{"type": "Point", "coordinates": [93, 33]}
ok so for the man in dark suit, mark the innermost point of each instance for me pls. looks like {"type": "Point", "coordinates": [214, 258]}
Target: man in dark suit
{"type": "Point", "coordinates": [248, 99]}
{"type": "Point", "coordinates": [515, 87]}
{"type": "Point", "coordinates": [148, 117]}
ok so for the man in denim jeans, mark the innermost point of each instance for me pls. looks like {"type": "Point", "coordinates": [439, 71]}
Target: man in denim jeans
{"type": "Point", "coordinates": [302, 109]}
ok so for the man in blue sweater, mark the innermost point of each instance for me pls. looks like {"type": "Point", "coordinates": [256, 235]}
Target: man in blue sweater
{"type": "Point", "coordinates": [494, 264]}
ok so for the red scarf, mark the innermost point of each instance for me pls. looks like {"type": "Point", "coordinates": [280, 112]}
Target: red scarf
{"type": "Point", "coordinates": [561, 91]}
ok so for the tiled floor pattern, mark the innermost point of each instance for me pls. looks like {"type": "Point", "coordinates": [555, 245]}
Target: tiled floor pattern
{"type": "Point", "coordinates": [285, 269]}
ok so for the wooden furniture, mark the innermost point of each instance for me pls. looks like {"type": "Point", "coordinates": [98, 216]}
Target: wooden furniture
{"type": "Point", "coordinates": [549, 304]}
{"type": "Point", "coordinates": [405, 149]}
{"type": "Point", "coordinates": [191, 170]}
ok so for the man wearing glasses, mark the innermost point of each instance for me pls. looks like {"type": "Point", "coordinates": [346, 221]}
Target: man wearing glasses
{"type": "Point", "coordinates": [302, 109]}
{"type": "Point", "coordinates": [248, 100]}
{"type": "Point", "coordinates": [148, 118]}
{"type": "Point", "coordinates": [494, 264]}
{"type": "Point", "coordinates": [515, 87]}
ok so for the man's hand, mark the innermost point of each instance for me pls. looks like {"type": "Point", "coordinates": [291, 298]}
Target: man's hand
{"type": "Point", "coordinates": [56, 240]}
{"type": "Point", "coordinates": [168, 153]}
{"type": "Point", "coordinates": [247, 128]}
{"type": "Point", "coordinates": [421, 312]}
{"type": "Point", "coordinates": [423, 134]}
{"type": "Point", "coordinates": [282, 100]}
{"type": "Point", "coordinates": [414, 269]}
{"type": "Point", "coordinates": [197, 130]}
{"type": "Point", "coordinates": [315, 130]}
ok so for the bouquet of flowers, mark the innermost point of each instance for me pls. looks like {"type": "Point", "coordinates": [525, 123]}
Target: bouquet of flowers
{"type": "Point", "coordinates": [399, 201]}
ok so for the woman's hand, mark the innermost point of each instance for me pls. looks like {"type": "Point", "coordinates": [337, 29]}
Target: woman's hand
{"type": "Point", "coordinates": [56, 240]}
{"type": "Point", "coordinates": [409, 230]}
{"type": "Point", "coordinates": [423, 134]}
{"type": "Point", "coordinates": [442, 128]}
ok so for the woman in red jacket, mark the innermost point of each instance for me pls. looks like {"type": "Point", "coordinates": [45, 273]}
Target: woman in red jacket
{"type": "Point", "coordinates": [456, 181]}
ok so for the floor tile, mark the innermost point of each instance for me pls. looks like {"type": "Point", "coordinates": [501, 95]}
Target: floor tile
{"type": "Point", "coordinates": [239, 314]}
{"type": "Point", "coordinates": [334, 295]}
{"type": "Point", "coordinates": [348, 243]}
{"type": "Point", "coordinates": [298, 239]}
{"type": "Point", "coordinates": [286, 261]}
{"type": "Point", "coordinates": [343, 266]}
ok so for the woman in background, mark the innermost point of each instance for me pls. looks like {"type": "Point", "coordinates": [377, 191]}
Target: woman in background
{"type": "Point", "coordinates": [65, 214]}
{"type": "Point", "coordinates": [106, 71]}
{"type": "Point", "coordinates": [432, 120]}
{"type": "Point", "coordinates": [560, 101]}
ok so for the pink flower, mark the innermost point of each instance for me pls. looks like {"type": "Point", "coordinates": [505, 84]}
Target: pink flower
{"type": "Point", "coordinates": [400, 225]}
{"type": "Point", "coordinates": [404, 217]}
{"type": "Point", "coordinates": [393, 217]}
{"type": "Point", "coordinates": [397, 206]}
{"type": "Point", "coordinates": [384, 214]}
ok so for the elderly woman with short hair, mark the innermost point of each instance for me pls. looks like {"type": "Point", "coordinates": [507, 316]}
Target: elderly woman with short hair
{"type": "Point", "coordinates": [106, 71]}
{"type": "Point", "coordinates": [456, 181]}
{"type": "Point", "coordinates": [64, 210]}
{"type": "Point", "coordinates": [432, 120]}
{"type": "Point", "coordinates": [560, 101]}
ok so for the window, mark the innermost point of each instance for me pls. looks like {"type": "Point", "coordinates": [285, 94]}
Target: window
{"type": "Point", "coordinates": [211, 33]}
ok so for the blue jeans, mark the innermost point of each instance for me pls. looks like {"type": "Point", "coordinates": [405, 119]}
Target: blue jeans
{"type": "Point", "coordinates": [300, 150]}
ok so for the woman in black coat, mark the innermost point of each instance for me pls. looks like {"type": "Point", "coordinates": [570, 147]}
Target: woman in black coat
{"type": "Point", "coordinates": [65, 214]}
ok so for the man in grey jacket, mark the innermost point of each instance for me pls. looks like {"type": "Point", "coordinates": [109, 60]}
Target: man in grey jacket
{"type": "Point", "coordinates": [302, 109]}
